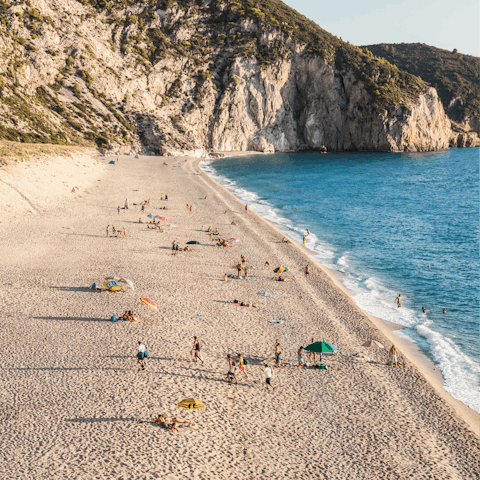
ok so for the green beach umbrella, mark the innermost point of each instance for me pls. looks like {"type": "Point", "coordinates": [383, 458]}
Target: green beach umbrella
{"type": "Point", "coordinates": [322, 347]}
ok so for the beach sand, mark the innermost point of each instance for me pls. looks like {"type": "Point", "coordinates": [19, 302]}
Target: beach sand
{"type": "Point", "coordinates": [75, 404]}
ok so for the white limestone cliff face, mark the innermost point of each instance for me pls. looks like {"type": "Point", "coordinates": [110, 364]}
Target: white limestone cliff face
{"type": "Point", "coordinates": [304, 104]}
{"type": "Point", "coordinates": [299, 102]}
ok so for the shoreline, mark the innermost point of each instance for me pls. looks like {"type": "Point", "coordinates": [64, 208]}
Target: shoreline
{"type": "Point", "coordinates": [415, 353]}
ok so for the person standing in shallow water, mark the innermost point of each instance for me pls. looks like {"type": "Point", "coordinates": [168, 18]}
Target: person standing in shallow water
{"type": "Point", "coordinates": [304, 240]}
{"type": "Point", "coordinates": [246, 208]}
{"type": "Point", "coordinates": [398, 300]}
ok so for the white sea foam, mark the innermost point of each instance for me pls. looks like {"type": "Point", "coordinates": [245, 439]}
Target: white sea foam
{"type": "Point", "coordinates": [459, 370]}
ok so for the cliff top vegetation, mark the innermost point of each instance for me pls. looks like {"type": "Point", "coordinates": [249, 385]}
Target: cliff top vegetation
{"type": "Point", "coordinates": [454, 75]}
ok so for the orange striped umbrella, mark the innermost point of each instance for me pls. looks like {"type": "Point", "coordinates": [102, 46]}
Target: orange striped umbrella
{"type": "Point", "coordinates": [149, 303]}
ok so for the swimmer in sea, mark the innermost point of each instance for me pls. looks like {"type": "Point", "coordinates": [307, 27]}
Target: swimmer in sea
{"type": "Point", "coordinates": [308, 232]}
{"type": "Point", "coordinates": [444, 310]}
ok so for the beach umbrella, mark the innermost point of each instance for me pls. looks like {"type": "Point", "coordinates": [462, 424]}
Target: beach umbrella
{"type": "Point", "coordinates": [191, 403]}
{"type": "Point", "coordinates": [281, 270]}
{"type": "Point", "coordinates": [111, 162]}
{"type": "Point", "coordinates": [322, 347]}
{"type": "Point", "coordinates": [151, 215]}
{"type": "Point", "coordinates": [123, 282]}
{"type": "Point", "coordinates": [193, 242]}
{"type": "Point", "coordinates": [112, 285]}
{"type": "Point", "coordinates": [164, 219]}
{"type": "Point", "coordinates": [149, 303]}
{"type": "Point", "coordinates": [373, 343]}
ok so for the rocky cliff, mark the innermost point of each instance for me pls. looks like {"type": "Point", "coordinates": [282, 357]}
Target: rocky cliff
{"type": "Point", "coordinates": [454, 75]}
{"type": "Point", "coordinates": [192, 76]}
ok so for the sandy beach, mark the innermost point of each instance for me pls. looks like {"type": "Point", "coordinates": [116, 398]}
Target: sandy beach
{"type": "Point", "coordinates": [74, 402]}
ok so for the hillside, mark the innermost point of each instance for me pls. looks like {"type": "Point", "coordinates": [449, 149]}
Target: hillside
{"type": "Point", "coordinates": [200, 75]}
{"type": "Point", "coordinates": [455, 76]}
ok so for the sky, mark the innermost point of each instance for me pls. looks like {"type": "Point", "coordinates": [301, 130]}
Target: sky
{"type": "Point", "coordinates": [446, 24]}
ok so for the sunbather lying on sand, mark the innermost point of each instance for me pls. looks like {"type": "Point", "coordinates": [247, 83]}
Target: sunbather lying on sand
{"type": "Point", "coordinates": [242, 304]}
{"type": "Point", "coordinates": [233, 223]}
{"type": "Point", "coordinates": [282, 279]}
{"type": "Point", "coordinates": [170, 423]}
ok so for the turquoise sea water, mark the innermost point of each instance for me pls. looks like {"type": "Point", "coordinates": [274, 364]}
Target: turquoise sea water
{"type": "Point", "coordinates": [382, 219]}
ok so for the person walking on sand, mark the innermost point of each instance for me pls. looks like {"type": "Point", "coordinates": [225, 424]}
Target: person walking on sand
{"type": "Point", "coordinates": [141, 355]}
{"type": "Point", "coordinates": [108, 226]}
{"type": "Point", "coordinates": [231, 370]}
{"type": "Point", "coordinates": [398, 300]}
{"type": "Point", "coordinates": [299, 357]}
{"type": "Point", "coordinates": [126, 204]}
{"type": "Point", "coordinates": [304, 239]}
{"type": "Point", "coordinates": [268, 376]}
{"type": "Point", "coordinates": [124, 233]}
{"type": "Point", "coordinates": [245, 270]}
{"type": "Point", "coordinates": [307, 272]}
{"type": "Point", "coordinates": [118, 210]}
{"type": "Point", "coordinates": [114, 230]}
{"type": "Point", "coordinates": [241, 364]}
{"type": "Point", "coordinates": [239, 269]}
{"type": "Point", "coordinates": [312, 354]}
{"type": "Point", "coordinates": [246, 208]}
{"type": "Point", "coordinates": [277, 353]}
{"type": "Point", "coordinates": [267, 265]}
{"type": "Point", "coordinates": [196, 350]}
{"type": "Point", "coordinates": [393, 356]}
{"type": "Point", "coordinates": [173, 246]}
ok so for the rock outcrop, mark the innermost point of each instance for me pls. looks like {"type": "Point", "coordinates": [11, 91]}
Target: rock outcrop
{"type": "Point", "coordinates": [174, 78]}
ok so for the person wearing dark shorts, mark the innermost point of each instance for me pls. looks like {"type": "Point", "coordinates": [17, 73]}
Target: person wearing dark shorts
{"type": "Point", "coordinates": [141, 355]}
{"type": "Point", "coordinates": [269, 376]}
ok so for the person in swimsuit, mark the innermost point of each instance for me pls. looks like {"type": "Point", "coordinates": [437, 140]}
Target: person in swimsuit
{"type": "Point", "coordinates": [423, 310]}
{"type": "Point", "coordinates": [170, 423]}
{"type": "Point", "coordinates": [304, 239]}
{"type": "Point", "coordinates": [312, 353]}
{"type": "Point", "coordinates": [308, 232]}
{"type": "Point", "coordinates": [299, 357]}
{"type": "Point", "coordinates": [196, 349]}
{"type": "Point", "coordinates": [231, 370]}
{"type": "Point", "coordinates": [246, 208]}
{"type": "Point", "coordinates": [241, 364]}
{"type": "Point", "coordinates": [118, 210]}
{"type": "Point", "coordinates": [245, 269]}
{"type": "Point", "coordinates": [307, 272]}
{"type": "Point", "coordinates": [277, 353]}
{"type": "Point", "coordinates": [398, 300]}
{"type": "Point", "coordinates": [444, 310]}
{"type": "Point", "coordinates": [239, 269]}
{"type": "Point", "coordinates": [393, 356]}
{"type": "Point", "coordinates": [107, 229]}
{"type": "Point", "coordinates": [267, 265]}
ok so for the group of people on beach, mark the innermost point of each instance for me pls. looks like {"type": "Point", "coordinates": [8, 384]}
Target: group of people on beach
{"type": "Point", "coordinates": [115, 232]}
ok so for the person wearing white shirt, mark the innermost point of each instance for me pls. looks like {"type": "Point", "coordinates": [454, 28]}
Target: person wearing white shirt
{"type": "Point", "coordinates": [269, 376]}
{"type": "Point", "coordinates": [141, 355]}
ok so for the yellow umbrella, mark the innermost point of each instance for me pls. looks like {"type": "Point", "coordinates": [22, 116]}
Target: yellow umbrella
{"type": "Point", "coordinates": [149, 303]}
{"type": "Point", "coordinates": [191, 403]}
{"type": "Point", "coordinates": [373, 343]}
